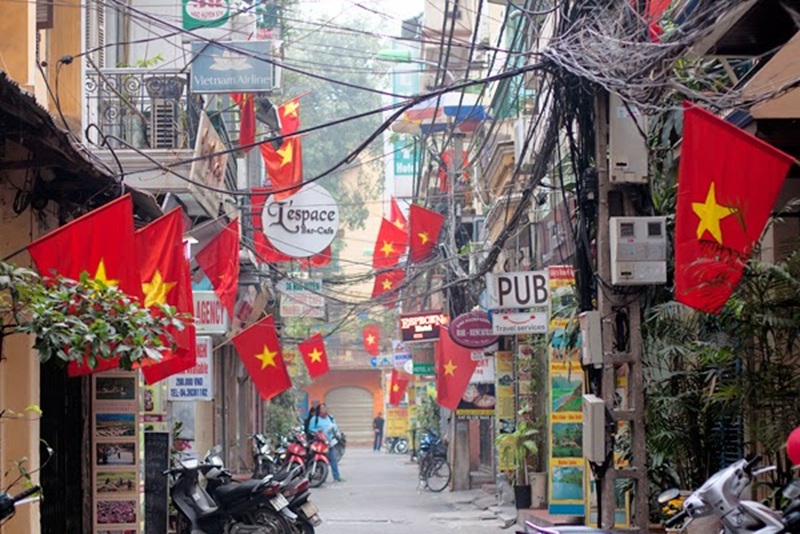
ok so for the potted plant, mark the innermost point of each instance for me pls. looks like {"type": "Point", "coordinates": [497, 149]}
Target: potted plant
{"type": "Point", "coordinates": [515, 448]}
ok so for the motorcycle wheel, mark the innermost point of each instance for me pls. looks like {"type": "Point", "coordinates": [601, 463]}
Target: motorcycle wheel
{"type": "Point", "coordinates": [271, 521]}
{"type": "Point", "coordinates": [317, 474]}
{"type": "Point", "coordinates": [263, 468]}
{"type": "Point", "coordinates": [401, 446]}
{"type": "Point", "coordinates": [301, 526]}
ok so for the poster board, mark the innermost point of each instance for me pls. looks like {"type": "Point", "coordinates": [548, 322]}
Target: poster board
{"type": "Point", "coordinates": [115, 452]}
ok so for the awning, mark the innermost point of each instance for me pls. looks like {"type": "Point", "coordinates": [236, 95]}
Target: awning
{"type": "Point", "coordinates": [451, 110]}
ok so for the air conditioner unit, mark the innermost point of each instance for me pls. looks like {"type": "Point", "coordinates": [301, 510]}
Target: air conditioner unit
{"type": "Point", "coordinates": [638, 250]}
{"type": "Point", "coordinates": [520, 134]}
{"type": "Point", "coordinates": [627, 145]}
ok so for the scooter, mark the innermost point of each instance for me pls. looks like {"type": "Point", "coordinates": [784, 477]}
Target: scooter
{"type": "Point", "coordinates": [9, 503]}
{"type": "Point", "coordinates": [263, 459]}
{"type": "Point", "coordinates": [250, 507]}
{"type": "Point", "coordinates": [318, 465]}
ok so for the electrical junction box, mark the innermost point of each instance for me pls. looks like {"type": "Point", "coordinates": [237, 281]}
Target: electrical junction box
{"type": "Point", "coordinates": [627, 146]}
{"type": "Point", "coordinates": [594, 429]}
{"type": "Point", "coordinates": [638, 251]}
{"type": "Point", "coordinates": [591, 339]}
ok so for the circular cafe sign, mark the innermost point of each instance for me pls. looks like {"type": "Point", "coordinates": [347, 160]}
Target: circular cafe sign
{"type": "Point", "coordinates": [303, 224]}
{"type": "Point", "coordinates": [473, 330]}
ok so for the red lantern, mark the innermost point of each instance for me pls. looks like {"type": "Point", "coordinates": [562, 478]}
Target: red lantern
{"type": "Point", "coordinates": [793, 446]}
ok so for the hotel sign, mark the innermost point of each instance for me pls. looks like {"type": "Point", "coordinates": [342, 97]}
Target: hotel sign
{"type": "Point", "coordinates": [422, 326]}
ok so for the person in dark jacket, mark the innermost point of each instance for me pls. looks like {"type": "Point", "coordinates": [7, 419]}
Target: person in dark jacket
{"type": "Point", "coordinates": [377, 429]}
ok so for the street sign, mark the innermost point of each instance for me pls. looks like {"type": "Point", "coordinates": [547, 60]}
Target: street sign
{"type": "Point", "coordinates": [210, 316]}
{"type": "Point", "coordinates": [232, 67]}
{"type": "Point", "coordinates": [528, 289]}
{"type": "Point", "coordinates": [505, 323]}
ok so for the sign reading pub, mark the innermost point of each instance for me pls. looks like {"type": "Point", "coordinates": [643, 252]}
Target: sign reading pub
{"type": "Point", "coordinates": [423, 326]}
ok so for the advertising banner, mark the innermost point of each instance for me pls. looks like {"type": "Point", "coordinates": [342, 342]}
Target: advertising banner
{"type": "Point", "coordinates": [425, 326]}
{"type": "Point", "coordinates": [480, 398]}
{"type": "Point", "coordinates": [208, 167]}
{"type": "Point", "coordinates": [566, 488]}
{"type": "Point", "coordinates": [396, 422]}
{"type": "Point", "coordinates": [196, 383]}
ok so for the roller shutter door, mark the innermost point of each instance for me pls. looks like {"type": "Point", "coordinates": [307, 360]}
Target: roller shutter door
{"type": "Point", "coordinates": [352, 409]}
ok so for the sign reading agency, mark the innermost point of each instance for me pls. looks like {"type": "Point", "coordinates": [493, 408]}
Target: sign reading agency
{"type": "Point", "coordinates": [422, 326]}
{"type": "Point", "coordinates": [303, 224]}
{"type": "Point", "coordinates": [527, 289]}
{"type": "Point", "coordinates": [232, 67]}
{"type": "Point", "coordinates": [210, 316]}
{"type": "Point", "coordinates": [473, 330]}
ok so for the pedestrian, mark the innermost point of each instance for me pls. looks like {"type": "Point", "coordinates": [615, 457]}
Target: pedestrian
{"type": "Point", "coordinates": [312, 413]}
{"type": "Point", "coordinates": [324, 422]}
{"type": "Point", "coordinates": [377, 429]}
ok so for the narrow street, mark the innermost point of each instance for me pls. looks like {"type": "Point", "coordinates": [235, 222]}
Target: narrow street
{"type": "Point", "coordinates": [380, 492]}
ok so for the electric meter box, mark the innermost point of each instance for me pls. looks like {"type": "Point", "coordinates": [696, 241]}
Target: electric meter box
{"type": "Point", "coordinates": [638, 251]}
{"type": "Point", "coordinates": [627, 146]}
{"type": "Point", "coordinates": [594, 429]}
{"type": "Point", "coordinates": [591, 339]}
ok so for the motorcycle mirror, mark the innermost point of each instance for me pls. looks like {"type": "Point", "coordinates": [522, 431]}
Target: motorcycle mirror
{"type": "Point", "coordinates": [216, 450]}
{"type": "Point", "coordinates": [665, 496]}
{"type": "Point", "coordinates": [792, 490]}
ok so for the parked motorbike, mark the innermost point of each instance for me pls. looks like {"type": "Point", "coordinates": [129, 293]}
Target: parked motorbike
{"type": "Point", "coordinates": [318, 464]}
{"type": "Point", "coordinates": [530, 528]}
{"type": "Point", "coordinates": [397, 445]}
{"type": "Point", "coordinates": [721, 496]}
{"type": "Point", "coordinates": [263, 458]}
{"type": "Point", "coordinates": [9, 503]}
{"type": "Point", "coordinates": [250, 507]}
{"type": "Point", "coordinates": [291, 452]}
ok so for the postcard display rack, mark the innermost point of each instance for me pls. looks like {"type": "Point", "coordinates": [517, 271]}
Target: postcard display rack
{"type": "Point", "coordinates": [115, 452]}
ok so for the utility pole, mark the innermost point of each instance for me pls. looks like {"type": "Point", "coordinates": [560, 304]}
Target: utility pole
{"type": "Point", "coordinates": [622, 347]}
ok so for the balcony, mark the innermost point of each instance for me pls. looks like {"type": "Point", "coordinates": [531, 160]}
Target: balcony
{"type": "Point", "coordinates": [147, 124]}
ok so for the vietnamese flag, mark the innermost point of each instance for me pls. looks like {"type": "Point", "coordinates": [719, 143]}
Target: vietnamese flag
{"type": "Point", "coordinates": [289, 114]}
{"type": "Point", "coordinates": [166, 279]}
{"type": "Point", "coordinates": [424, 226]}
{"type": "Point", "coordinates": [390, 245]}
{"type": "Point", "coordinates": [260, 350]}
{"type": "Point", "coordinates": [247, 120]}
{"type": "Point", "coordinates": [386, 286]}
{"type": "Point", "coordinates": [454, 369]}
{"type": "Point", "coordinates": [265, 250]}
{"type": "Point", "coordinates": [728, 183]}
{"type": "Point", "coordinates": [284, 166]}
{"type": "Point", "coordinates": [397, 388]}
{"type": "Point", "coordinates": [220, 261]}
{"type": "Point", "coordinates": [317, 260]}
{"type": "Point", "coordinates": [396, 216]}
{"type": "Point", "coordinates": [100, 243]}
{"type": "Point", "coordinates": [313, 352]}
{"type": "Point", "coordinates": [371, 336]}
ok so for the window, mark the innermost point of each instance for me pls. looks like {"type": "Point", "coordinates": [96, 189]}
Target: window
{"type": "Point", "coordinates": [44, 14]}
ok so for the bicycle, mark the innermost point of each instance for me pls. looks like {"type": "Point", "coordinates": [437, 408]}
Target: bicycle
{"type": "Point", "coordinates": [434, 469]}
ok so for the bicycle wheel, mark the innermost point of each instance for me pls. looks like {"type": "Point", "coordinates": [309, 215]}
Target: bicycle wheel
{"type": "Point", "coordinates": [438, 474]}
{"type": "Point", "coordinates": [401, 447]}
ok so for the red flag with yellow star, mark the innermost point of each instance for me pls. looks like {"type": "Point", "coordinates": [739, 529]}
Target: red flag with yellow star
{"type": "Point", "coordinates": [264, 249]}
{"type": "Point", "coordinates": [166, 280]}
{"type": "Point", "coordinates": [247, 120]}
{"type": "Point", "coordinates": [386, 284]}
{"type": "Point", "coordinates": [397, 388]}
{"type": "Point", "coordinates": [260, 350]}
{"type": "Point", "coordinates": [396, 216]}
{"type": "Point", "coordinates": [289, 113]}
{"type": "Point", "coordinates": [454, 369]}
{"type": "Point", "coordinates": [100, 243]}
{"type": "Point", "coordinates": [424, 226]}
{"type": "Point", "coordinates": [313, 352]}
{"type": "Point", "coordinates": [728, 183]}
{"type": "Point", "coordinates": [220, 261]}
{"type": "Point", "coordinates": [284, 166]}
{"type": "Point", "coordinates": [390, 245]}
{"type": "Point", "coordinates": [371, 336]}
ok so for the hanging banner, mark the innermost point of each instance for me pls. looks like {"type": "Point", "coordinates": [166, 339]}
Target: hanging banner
{"type": "Point", "coordinates": [566, 494]}
{"type": "Point", "coordinates": [196, 383]}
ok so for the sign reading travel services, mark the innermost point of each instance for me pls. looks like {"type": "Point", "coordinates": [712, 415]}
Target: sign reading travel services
{"type": "Point", "coordinates": [205, 13]}
{"type": "Point", "coordinates": [210, 316]}
{"type": "Point", "coordinates": [422, 326]}
{"type": "Point", "coordinates": [232, 67]}
{"type": "Point", "coordinates": [506, 323]}
{"type": "Point", "coordinates": [196, 383]}
{"type": "Point", "coordinates": [303, 224]}
{"type": "Point", "coordinates": [527, 289]}
{"type": "Point", "coordinates": [473, 330]}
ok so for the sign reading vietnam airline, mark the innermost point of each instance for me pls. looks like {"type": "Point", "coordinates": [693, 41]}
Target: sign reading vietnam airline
{"type": "Point", "coordinates": [303, 224]}
{"type": "Point", "coordinates": [422, 326]}
{"type": "Point", "coordinates": [232, 67]}
{"type": "Point", "coordinates": [528, 289]}
{"type": "Point", "coordinates": [473, 330]}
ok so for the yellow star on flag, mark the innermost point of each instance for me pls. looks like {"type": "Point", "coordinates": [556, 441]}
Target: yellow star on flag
{"type": "Point", "coordinates": [395, 388]}
{"type": "Point", "coordinates": [100, 275]}
{"type": "Point", "coordinates": [315, 355]}
{"type": "Point", "coordinates": [711, 213]}
{"type": "Point", "coordinates": [370, 339]}
{"type": "Point", "coordinates": [424, 237]}
{"type": "Point", "coordinates": [155, 292]}
{"type": "Point", "coordinates": [387, 285]}
{"type": "Point", "coordinates": [290, 108]}
{"type": "Point", "coordinates": [387, 248]}
{"type": "Point", "coordinates": [449, 368]}
{"type": "Point", "coordinates": [398, 223]}
{"type": "Point", "coordinates": [267, 358]}
{"type": "Point", "coordinates": [286, 152]}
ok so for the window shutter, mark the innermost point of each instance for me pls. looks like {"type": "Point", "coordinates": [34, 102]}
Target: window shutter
{"type": "Point", "coordinates": [44, 14]}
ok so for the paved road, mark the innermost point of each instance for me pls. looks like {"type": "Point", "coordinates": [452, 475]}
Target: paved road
{"type": "Point", "coordinates": [380, 494]}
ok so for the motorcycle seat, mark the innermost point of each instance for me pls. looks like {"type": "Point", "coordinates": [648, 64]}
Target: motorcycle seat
{"type": "Point", "coordinates": [233, 492]}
